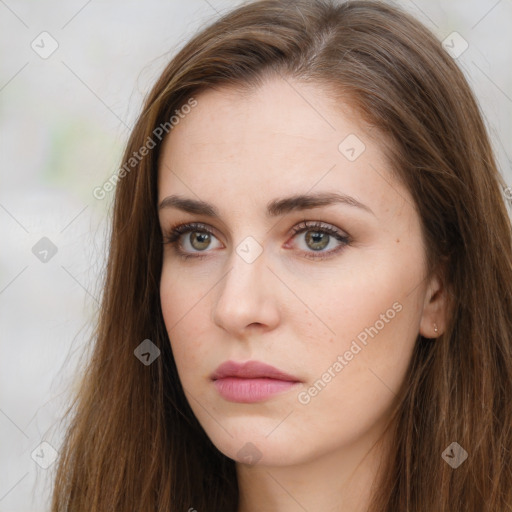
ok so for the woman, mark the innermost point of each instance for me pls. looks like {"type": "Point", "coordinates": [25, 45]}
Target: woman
{"type": "Point", "coordinates": [308, 298]}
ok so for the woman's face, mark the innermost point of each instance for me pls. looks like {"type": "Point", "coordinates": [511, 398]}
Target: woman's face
{"type": "Point", "coordinates": [336, 305]}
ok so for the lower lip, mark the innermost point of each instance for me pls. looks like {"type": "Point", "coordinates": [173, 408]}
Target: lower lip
{"type": "Point", "coordinates": [248, 391]}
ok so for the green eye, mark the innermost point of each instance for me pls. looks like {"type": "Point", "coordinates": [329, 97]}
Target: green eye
{"type": "Point", "coordinates": [318, 237]}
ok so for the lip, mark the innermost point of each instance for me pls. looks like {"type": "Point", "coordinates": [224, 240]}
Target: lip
{"type": "Point", "coordinates": [251, 381]}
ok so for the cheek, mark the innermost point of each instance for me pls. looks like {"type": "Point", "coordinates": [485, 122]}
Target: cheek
{"type": "Point", "coordinates": [186, 321]}
{"type": "Point", "coordinates": [358, 355]}
{"type": "Point", "coordinates": [364, 291]}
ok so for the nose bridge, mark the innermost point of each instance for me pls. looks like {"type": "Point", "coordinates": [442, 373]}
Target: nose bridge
{"type": "Point", "coordinates": [245, 296]}
{"type": "Point", "coordinates": [246, 268]}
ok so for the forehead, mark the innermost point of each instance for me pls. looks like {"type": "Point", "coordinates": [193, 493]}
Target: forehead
{"type": "Point", "coordinates": [283, 137]}
{"type": "Point", "coordinates": [279, 116]}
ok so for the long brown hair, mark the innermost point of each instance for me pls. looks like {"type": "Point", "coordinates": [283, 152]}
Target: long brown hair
{"type": "Point", "coordinates": [133, 442]}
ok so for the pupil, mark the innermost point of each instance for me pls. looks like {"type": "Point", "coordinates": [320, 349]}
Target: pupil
{"type": "Point", "coordinates": [203, 239]}
{"type": "Point", "coordinates": [316, 237]}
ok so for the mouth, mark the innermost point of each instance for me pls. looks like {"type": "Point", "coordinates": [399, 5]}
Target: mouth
{"type": "Point", "coordinates": [252, 381]}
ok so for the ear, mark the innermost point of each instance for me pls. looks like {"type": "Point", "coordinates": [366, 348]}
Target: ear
{"type": "Point", "coordinates": [435, 306]}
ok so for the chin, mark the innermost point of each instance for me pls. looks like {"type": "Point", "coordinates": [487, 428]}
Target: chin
{"type": "Point", "coordinates": [251, 447]}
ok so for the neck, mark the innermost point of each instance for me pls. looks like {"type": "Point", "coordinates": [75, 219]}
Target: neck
{"type": "Point", "coordinates": [341, 480]}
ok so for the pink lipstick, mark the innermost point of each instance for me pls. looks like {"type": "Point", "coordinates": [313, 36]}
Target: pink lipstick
{"type": "Point", "coordinates": [249, 382]}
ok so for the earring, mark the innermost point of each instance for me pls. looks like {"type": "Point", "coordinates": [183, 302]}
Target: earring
{"type": "Point", "coordinates": [435, 327]}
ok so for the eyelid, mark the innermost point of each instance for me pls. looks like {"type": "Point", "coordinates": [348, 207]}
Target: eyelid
{"type": "Point", "coordinates": [320, 225]}
{"type": "Point", "coordinates": [302, 225]}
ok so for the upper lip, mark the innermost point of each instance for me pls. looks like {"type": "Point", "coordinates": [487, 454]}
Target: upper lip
{"type": "Point", "coordinates": [250, 370]}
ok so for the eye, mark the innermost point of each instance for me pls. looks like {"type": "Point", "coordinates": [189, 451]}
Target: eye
{"type": "Point", "coordinates": [199, 239]}
{"type": "Point", "coordinates": [319, 236]}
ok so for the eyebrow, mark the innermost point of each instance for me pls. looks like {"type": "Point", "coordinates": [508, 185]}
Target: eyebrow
{"type": "Point", "coordinates": [275, 207]}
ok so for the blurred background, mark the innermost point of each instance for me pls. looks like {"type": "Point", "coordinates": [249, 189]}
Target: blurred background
{"type": "Point", "coordinates": [72, 78]}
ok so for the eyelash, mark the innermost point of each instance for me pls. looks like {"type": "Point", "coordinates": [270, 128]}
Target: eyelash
{"type": "Point", "coordinates": [175, 232]}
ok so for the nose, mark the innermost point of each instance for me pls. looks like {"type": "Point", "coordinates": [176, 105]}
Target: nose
{"type": "Point", "coordinates": [247, 298]}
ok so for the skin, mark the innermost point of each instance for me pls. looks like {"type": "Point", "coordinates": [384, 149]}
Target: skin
{"type": "Point", "coordinates": [238, 151]}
